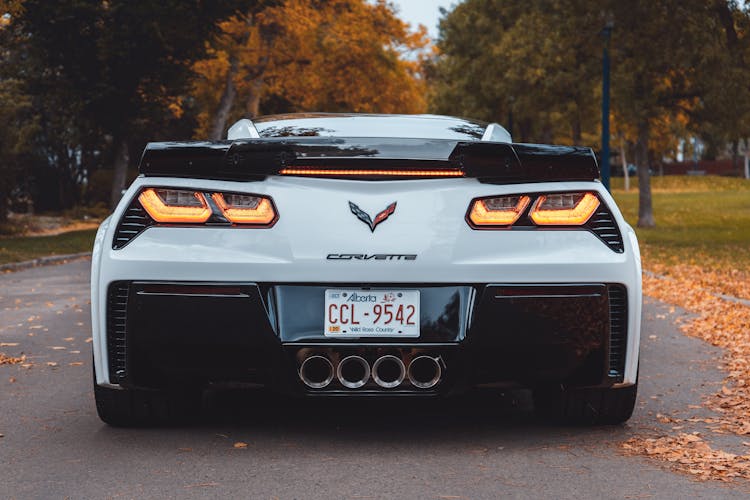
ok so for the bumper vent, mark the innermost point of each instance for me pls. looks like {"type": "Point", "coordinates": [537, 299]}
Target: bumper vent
{"type": "Point", "coordinates": [618, 330]}
{"type": "Point", "coordinates": [133, 223]}
{"type": "Point", "coordinates": [117, 308]}
{"type": "Point", "coordinates": [603, 225]}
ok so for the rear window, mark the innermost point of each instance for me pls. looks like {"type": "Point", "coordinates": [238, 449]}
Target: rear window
{"type": "Point", "coordinates": [403, 126]}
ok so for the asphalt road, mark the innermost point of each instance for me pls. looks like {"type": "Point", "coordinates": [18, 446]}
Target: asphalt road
{"type": "Point", "coordinates": [54, 446]}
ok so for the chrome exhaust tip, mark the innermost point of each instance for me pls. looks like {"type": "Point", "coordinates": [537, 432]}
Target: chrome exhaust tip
{"type": "Point", "coordinates": [353, 372]}
{"type": "Point", "coordinates": [388, 371]}
{"type": "Point", "coordinates": [316, 372]}
{"type": "Point", "coordinates": [425, 372]}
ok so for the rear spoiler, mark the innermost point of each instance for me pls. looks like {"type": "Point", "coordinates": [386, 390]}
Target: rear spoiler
{"type": "Point", "coordinates": [255, 159]}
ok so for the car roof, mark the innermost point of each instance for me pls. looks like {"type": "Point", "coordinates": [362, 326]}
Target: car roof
{"type": "Point", "coordinates": [369, 125]}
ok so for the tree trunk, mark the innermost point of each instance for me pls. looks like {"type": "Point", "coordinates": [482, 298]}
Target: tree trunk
{"type": "Point", "coordinates": [625, 173]}
{"type": "Point", "coordinates": [645, 206]}
{"type": "Point", "coordinates": [547, 137]}
{"type": "Point", "coordinates": [253, 100]}
{"type": "Point", "coordinates": [524, 129]}
{"type": "Point", "coordinates": [577, 132]}
{"type": "Point", "coordinates": [225, 104]}
{"type": "Point", "coordinates": [122, 160]}
{"type": "Point", "coordinates": [577, 127]}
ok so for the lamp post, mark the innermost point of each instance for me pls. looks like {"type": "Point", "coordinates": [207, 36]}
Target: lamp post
{"type": "Point", "coordinates": [607, 34]}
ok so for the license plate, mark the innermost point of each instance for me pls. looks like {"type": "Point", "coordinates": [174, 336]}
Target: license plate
{"type": "Point", "coordinates": [372, 313]}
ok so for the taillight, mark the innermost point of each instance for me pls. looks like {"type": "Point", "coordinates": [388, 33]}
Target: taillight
{"type": "Point", "coordinates": [564, 209]}
{"type": "Point", "coordinates": [182, 206]}
{"type": "Point", "coordinates": [175, 205]}
{"type": "Point", "coordinates": [498, 211]}
{"type": "Point", "coordinates": [245, 209]}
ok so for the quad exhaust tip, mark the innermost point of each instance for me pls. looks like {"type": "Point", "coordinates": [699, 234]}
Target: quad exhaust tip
{"type": "Point", "coordinates": [353, 372]}
{"type": "Point", "coordinates": [388, 371]}
{"type": "Point", "coordinates": [425, 372]}
{"type": "Point", "coordinates": [316, 372]}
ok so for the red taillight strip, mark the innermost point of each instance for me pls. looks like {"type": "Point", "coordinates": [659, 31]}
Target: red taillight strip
{"type": "Point", "coordinates": [330, 172]}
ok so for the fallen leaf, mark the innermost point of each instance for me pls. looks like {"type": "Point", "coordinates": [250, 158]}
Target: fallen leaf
{"type": "Point", "coordinates": [75, 363]}
{"type": "Point", "coordinates": [52, 364]}
{"type": "Point", "coordinates": [201, 485]}
{"type": "Point", "coordinates": [11, 360]}
{"type": "Point", "coordinates": [240, 445]}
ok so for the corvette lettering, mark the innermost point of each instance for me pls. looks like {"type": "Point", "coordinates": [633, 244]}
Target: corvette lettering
{"type": "Point", "coordinates": [370, 256]}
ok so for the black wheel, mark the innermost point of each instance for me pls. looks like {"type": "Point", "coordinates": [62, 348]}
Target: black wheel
{"type": "Point", "coordinates": [586, 406]}
{"type": "Point", "coordinates": [134, 408]}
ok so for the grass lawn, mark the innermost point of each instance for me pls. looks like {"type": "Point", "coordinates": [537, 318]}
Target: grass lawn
{"type": "Point", "coordinates": [699, 220]}
{"type": "Point", "coordinates": [22, 248]}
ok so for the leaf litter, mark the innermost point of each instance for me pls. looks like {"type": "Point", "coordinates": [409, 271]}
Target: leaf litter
{"type": "Point", "coordinates": [710, 294]}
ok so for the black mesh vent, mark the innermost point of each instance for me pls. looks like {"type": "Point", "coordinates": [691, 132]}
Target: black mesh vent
{"type": "Point", "coordinates": [618, 330]}
{"type": "Point", "coordinates": [134, 222]}
{"type": "Point", "coordinates": [603, 224]}
{"type": "Point", "coordinates": [117, 307]}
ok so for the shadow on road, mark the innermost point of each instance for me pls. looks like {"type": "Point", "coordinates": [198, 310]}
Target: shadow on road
{"type": "Point", "coordinates": [381, 421]}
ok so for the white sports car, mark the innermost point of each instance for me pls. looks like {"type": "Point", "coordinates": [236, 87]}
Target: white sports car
{"type": "Point", "coordinates": [366, 255]}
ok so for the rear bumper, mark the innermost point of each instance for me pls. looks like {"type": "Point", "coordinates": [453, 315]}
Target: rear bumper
{"type": "Point", "coordinates": [162, 334]}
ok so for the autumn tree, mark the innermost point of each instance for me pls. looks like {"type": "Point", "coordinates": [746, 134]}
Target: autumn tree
{"type": "Point", "coordinates": [108, 69]}
{"type": "Point", "coordinates": [529, 64]}
{"type": "Point", "coordinates": [301, 55]}
{"type": "Point", "coordinates": [678, 67]}
{"type": "Point", "coordinates": [724, 110]}
{"type": "Point", "coordinates": [18, 122]}
{"type": "Point", "coordinates": [659, 49]}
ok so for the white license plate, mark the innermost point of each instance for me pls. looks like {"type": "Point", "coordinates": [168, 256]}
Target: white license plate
{"type": "Point", "coordinates": [372, 313]}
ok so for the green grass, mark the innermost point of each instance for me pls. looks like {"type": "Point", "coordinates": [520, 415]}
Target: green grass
{"type": "Point", "coordinates": [699, 220]}
{"type": "Point", "coordinates": [22, 248]}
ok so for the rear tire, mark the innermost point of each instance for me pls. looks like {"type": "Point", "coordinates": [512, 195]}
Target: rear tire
{"type": "Point", "coordinates": [586, 406]}
{"type": "Point", "coordinates": [141, 408]}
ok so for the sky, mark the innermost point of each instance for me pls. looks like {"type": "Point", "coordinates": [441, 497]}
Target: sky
{"type": "Point", "coordinates": [423, 12]}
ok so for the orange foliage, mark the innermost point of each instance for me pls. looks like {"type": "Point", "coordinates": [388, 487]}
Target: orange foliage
{"type": "Point", "coordinates": [339, 55]}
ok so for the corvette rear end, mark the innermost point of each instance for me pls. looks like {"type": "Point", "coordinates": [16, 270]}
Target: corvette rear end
{"type": "Point", "coordinates": [319, 255]}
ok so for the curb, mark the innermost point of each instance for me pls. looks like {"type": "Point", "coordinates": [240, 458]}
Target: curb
{"type": "Point", "coordinates": [42, 261]}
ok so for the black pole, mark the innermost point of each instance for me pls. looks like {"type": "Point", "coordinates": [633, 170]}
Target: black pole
{"type": "Point", "coordinates": [607, 33]}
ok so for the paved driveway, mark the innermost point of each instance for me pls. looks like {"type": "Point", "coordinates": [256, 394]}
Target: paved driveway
{"type": "Point", "coordinates": [54, 446]}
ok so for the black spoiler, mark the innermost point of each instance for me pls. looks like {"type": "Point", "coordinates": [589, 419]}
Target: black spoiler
{"type": "Point", "coordinates": [255, 159]}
